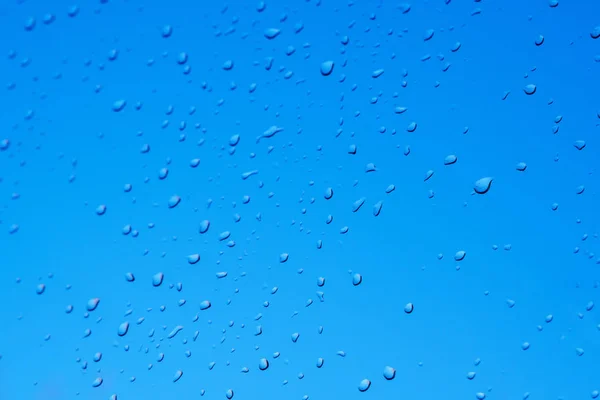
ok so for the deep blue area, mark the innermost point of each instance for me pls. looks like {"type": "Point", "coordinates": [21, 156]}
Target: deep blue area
{"type": "Point", "coordinates": [112, 103]}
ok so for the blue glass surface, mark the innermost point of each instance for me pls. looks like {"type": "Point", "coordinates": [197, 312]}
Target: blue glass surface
{"type": "Point", "coordinates": [311, 199]}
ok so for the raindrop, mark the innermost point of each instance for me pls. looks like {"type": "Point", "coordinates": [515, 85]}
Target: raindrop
{"type": "Point", "coordinates": [123, 329]}
{"type": "Point", "coordinates": [40, 289]}
{"type": "Point", "coordinates": [119, 105]}
{"type": "Point", "coordinates": [204, 225]}
{"type": "Point", "coordinates": [364, 385]}
{"type": "Point", "coordinates": [174, 201]}
{"type": "Point", "coordinates": [157, 279]}
{"type": "Point", "coordinates": [92, 304]}
{"type": "Point", "coordinates": [263, 364]}
{"type": "Point", "coordinates": [178, 375]}
{"type": "Point", "coordinates": [97, 382]}
{"type": "Point", "coordinates": [327, 68]}
{"type": "Point", "coordinates": [530, 89]}
{"type": "Point", "coordinates": [205, 305]}
{"type": "Point", "coordinates": [272, 33]}
{"type": "Point", "coordinates": [451, 159]}
{"type": "Point", "coordinates": [483, 185]}
{"type": "Point", "coordinates": [193, 258]}
{"type": "Point", "coordinates": [389, 373]}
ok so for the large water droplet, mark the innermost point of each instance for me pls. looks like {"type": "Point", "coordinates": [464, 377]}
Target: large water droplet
{"type": "Point", "coordinates": [272, 33]}
{"type": "Point", "coordinates": [263, 364]}
{"type": "Point", "coordinates": [157, 279]}
{"type": "Point", "coordinates": [327, 68]}
{"type": "Point", "coordinates": [92, 304]}
{"type": "Point", "coordinates": [483, 185]}
{"type": "Point", "coordinates": [389, 373]}
{"type": "Point", "coordinates": [364, 385]}
{"type": "Point", "coordinates": [205, 305]}
{"type": "Point", "coordinates": [123, 329]}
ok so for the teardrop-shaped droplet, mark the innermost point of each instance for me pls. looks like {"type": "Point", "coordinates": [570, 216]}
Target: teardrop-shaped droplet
{"type": "Point", "coordinates": [483, 185]}
{"type": "Point", "coordinates": [123, 329]}
{"type": "Point", "coordinates": [327, 68]}
{"type": "Point", "coordinates": [157, 279]}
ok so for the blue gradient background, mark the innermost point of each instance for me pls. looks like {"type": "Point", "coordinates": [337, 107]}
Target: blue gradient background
{"type": "Point", "coordinates": [74, 132]}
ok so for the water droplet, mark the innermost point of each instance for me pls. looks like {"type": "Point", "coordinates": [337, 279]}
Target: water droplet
{"type": "Point", "coordinates": [272, 33]}
{"type": "Point", "coordinates": [193, 258]}
{"type": "Point", "coordinates": [204, 225]}
{"type": "Point", "coordinates": [595, 33]}
{"type": "Point", "coordinates": [579, 144]}
{"type": "Point", "coordinates": [283, 257]}
{"type": "Point", "coordinates": [295, 337]}
{"type": "Point", "coordinates": [428, 175]}
{"type": "Point", "coordinates": [589, 306]}
{"type": "Point", "coordinates": [364, 385]}
{"type": "Point", "coordinates": [530, 89]}
{"type": "Point", "coordinates": [327, 68]}
{"type": "Point", "coordinates": [123, 329]}
{"type": "Point", "coordinates": [539, 40]}
{"type": "Point", "coordinates": [129, 277]}
{"type": "Point", "coordinates": [40, 289]}
{"type": "Point", "coordinates": [119, 105]}
{"type": "Point", "coordinates": [178, 375]}
{"type": "Point", "coordinates": [167, 31]}
{"type": "Point", "coordinates": [205, 305]}
{"type": "Point", "coordinates": [460, 255]}
{"type": "Point", "coordinates": [174, 201]}
{"type": "Point", "coordinates": [377, 73]}
{"type": "Point", "coordinates": [229, 394]}
{"type": "Point", "coordinates": [356, 279]}
{"type": "Point", "coordinates": [92, 304]}
{"type": "Point", "coordinates": [471, 375]}
{"type": "Point", "coordinates": [157, 279]}
{"type": "Point", "coordinates": [101, 209]}
{"type": "Point", "coordinates": [377, 208]}
{"type": "Point", "coordinates": [525, 345]}
{"type": "Point", "coordinates": [521, 166]}
{"type": "Point", "coordinates": [263, 364]}
{"type": "Point", "coordinates": [451, 159]}
{"type": "Point", "coordinates": [409, 308]}
{"type": "Point", "coordinates": [483, 185]}
{"type": "Point", "coordinates": [389, 373]}
{"type": "Point", "coordinates": [428, 34]}
{"type": "Point", "coordinates": [97, 382]}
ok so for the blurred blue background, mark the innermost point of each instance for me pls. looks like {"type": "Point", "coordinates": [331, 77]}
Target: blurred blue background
{"type": "Point", "coordinates": [529, 241]}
